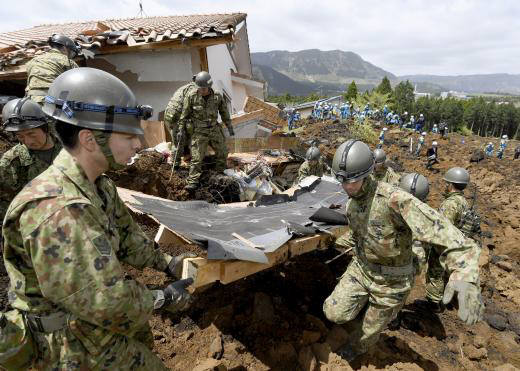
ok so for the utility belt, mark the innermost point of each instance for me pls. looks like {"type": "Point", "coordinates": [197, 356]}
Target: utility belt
{"type": "Point", "coordinates": [384, 270]}
{"type": "Point", "coordinates": [199, 124]}
{"type": "Point", "coordinates": [49, 323]}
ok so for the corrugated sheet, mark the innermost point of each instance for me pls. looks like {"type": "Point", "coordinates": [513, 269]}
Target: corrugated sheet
{"type": "Point", "coordinates": [18, 46]}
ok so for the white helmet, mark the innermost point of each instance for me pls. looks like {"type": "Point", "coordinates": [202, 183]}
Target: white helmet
{"type": "Point", "coordinates": [421, 115]}
{"type": "Point", "coordinates": [413, 116]}
{"type": "Point", "coordinates": [434, 125]}
{"type": "Point", "coordinates": [423, 133]}
{"type": "Point", "coordinates": [385, 129]}
{"type": "Point", "coordinates": [490, 143]}
{"type": "Point", "coordinates": [434, 144]}
{"type": "Point", "coordinates": [504, 136]}
{"type": "Point", "coordinates": [405, 112]}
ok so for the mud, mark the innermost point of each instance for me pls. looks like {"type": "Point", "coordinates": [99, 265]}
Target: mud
{"type": "Point", "coordinates": [274, 320]}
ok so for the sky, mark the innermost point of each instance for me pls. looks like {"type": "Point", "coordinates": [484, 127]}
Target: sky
{"type": "Point", "coordinates": [441, 37]}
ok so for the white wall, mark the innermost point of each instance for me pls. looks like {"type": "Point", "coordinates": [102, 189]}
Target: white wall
{"type": "Point", "coordinates": [220, 64]}
{"type": "Point", "coordinates": [240, 95]}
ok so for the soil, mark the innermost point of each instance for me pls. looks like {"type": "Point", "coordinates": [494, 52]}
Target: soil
{"type": "Point", "coordinates": [274, 319]}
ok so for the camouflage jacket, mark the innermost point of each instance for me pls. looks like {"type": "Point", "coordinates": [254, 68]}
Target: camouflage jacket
{"type": "Point", "coordinates": [43, 69]}
{"type": "Point", "coordinates": [453, 207]}
{"type": "Point", "coordinates": [174, 108]}
{"type": "Point", "coordinates": [387, 175]}
{"type": "Point", "coordinates": [18, 166]}
{"type": "Point", "coordinates": [203, 112]}
{"type": "Point", "coordinates": [385, 220]}
{"type": "Point", "coordinates": [64, 241]}
{"type": "Point", "coordinates": [307, 169]}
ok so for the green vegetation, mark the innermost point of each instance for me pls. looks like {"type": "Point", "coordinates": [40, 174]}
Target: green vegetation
{"type": "Point", "coordinates": [294, 99]}
{"type": "Point", "coordinates": [384, 87]}
{"type": "Point", "coordinates": [352, 92]}
{"type": "Point", "coordinates": [363, 132]}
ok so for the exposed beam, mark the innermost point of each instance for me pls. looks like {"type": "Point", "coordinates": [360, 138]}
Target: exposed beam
{"type": "Point", "coordinates": [203, 54]}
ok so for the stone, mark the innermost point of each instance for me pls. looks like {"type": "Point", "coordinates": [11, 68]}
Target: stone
{"type": "Point", "coordinates": [506, 367]}
{"type": "Point", "coordinates": [216, 349]}
{"type": "Point", "coordinates": [309, 337]}
{"type": "Point", "coordinates": [475, 354]}
{"type": "Point", "coordinates": [505, 265]}
{"type": "Point", "coordinates": [514, 322]}
{"type": "Point", "coordinates": [317, 323]}
{"type": "Point", "coordinates": [322, 351]}
{"type": "Point", "coordinates": [336, 337]}
{"type": "Point", "coordinates": [283, 353]}
{"type": "Point", "coordinates": [307, 359]}
{"type": "Point", "coordinates": [210, 364]}
{"type": "Point", "coordinates": [479, 342]}
{"type": "Point", "coordinates": [263, 308]}
{"type": "Point", "coordinates": [496, 321]}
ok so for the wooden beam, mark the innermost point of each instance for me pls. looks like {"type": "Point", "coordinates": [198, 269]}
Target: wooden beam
{"type": "Point", "coordinates": [169, 44]}
{"type": "Point", "coordinates": [205, 272]}
{"type": "Point", "coordinates": [203, 54]}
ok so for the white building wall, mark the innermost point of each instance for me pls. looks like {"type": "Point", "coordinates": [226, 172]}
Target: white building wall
{"type": "Point", "coordinates": [240, 95]}
{"type": "Point", "coordinates": [220, 63]}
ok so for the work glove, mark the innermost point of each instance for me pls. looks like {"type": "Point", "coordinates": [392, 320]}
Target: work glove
{"type": "Point", "coordinates": [174, 268]}
{"type": "Point", "coordinates": [174, 297]}
{"type": "Point", "coordinates": [471, 305]}
{"type": "Point", "coordinates": [231, 131]}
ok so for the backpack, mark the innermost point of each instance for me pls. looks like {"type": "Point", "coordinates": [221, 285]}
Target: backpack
{"type": "Point", "coordinates": [470, 223]}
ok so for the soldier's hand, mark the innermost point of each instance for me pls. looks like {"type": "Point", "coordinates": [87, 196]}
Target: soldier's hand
{"type": "Point", "coordinates": [471, 305]}
{"type": "Point", "coordinates": [176, 298]}
{"type": "Point", "coordinates": [174, 268]}
{"type": "Point", "coordinates": [231, 131]}
{"type": "Point", "coordinates": [179, 137]}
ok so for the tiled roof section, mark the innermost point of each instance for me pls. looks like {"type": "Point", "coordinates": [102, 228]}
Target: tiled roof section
{"type": "Point", "coordinates": [18, 46]}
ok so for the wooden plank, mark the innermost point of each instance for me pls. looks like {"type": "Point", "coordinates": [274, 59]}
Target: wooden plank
{"type": "Point", "coordinates": [168, 237]}
{"type": "Point", "coordinates": [203, 59]}
{"type": "Point", "coordinates": [154, 132]}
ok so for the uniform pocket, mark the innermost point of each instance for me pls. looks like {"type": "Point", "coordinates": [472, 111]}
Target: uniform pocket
{"type": "Point", "coordinates": [381, 240]}
{"type": "Point", "coordinates": [92, 337]}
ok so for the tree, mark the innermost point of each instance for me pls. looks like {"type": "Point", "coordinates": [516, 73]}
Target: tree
{"type": "Point", "coordinates": [384, 87]}
{"type": "Point", "coordinates": [352, 92]}
{"type": "Point", "coordinates": [403, 97]}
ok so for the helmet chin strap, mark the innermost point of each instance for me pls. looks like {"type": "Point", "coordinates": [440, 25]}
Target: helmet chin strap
{"type": "Point", "coordinates": [102, 140]}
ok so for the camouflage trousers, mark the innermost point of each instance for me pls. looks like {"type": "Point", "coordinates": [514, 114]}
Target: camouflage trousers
{"type": "Point", "coordinates": [365, 303]}
{"type": "Point", "coordinates": [69, 349]}
{"type": "Point", "coordinates": [436, 277]}
{"type": "Point", "coordinates": [200, 140]}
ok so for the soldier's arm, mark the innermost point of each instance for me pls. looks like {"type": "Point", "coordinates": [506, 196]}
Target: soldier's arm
{"type": "Point", "coordinates": [303, 171]}
{"type": "Point", "coordinates": [450, 210]}
{"type": "Point", "coordinates": [9, 184]}
{"type": "Point", "coordinates": [224, 113]}
{"type": "Point", "coordinates": [78, 270]}
{"type": "Point", "coordinates": [135, 248]}
{"type": "Point", "coordinates": [186, 112]}
{"type": "Point", "coordinates": [458, 254]}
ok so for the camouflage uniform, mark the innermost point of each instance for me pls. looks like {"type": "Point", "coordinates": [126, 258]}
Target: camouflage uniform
{"type": "Point", "coordinates": [452, 208]}
{"type": "Point", "coordinates": [18, 166]}
{"type": "Point", "coordinates": [172, 114]}
{"type": "Point", "coordinates": [307, 169]}
{"type": "Point", "coordinates": [387, 175]}
{"type": "Point", "coordinates": [41, 72]}
{"type": "Point", "coordinates": [199, 119]}
{"type": "Point", "coordinates": [381, 274]}
{"type": "Point", "coordinates": [65, 239]}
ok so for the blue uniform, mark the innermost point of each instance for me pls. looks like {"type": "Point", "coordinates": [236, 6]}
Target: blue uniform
{"type": "Point", "coordinates": [489, 149]}
{"type": "Point", "coordinates": [501, 150]}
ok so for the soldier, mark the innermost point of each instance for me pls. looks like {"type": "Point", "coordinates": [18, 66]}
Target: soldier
{"type": "Point", "coordinates": [382, 172]}
{"type": "Point", "coordinates": [43, 69]}
{"type": "Point", "coordinates": [313, 165]}
{"type": "Point", "coordinates": [384, 221]}
{"type": "Point", "coordinates": [199, 118]}
{"type": "Point", "coordinates": [67, 232]}
{"type": "Point", "coordinates": [457, 210]}
{"type": "Point", "coordinates": [171, 119]}
{"type": "Point", "coordinates": [35, 152]}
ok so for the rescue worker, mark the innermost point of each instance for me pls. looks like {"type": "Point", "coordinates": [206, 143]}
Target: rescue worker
{"type": "Point", "coordinates": [420, 143]}
{"type": "Point", "coordinates": [489, 149]}
{"type": "Point", "coordinates": [199, 116]}
{"type": "Point", "coordinates": [517, 152]}
{"type": "Point", "coordinates": [67, 232]}
{"type": "Point", "coordinates": [313, 165]}
{"type": "Point", "coordinates": [44, 68]}
{"type": "Point", "coordinates": [435, 129]}
{"type": "Point", "coordinates": [382, 138]}
{"type": "Point", "coordinates": [383, 221]}
{"type": "Point", "coordinates": [432, 156]}
{"type": "Point", "coordinates": [420, 123]}
{"type": "Point", "coordinates": [382, 172]}
{"type": "Point", "coordinates": [35, 152]}
{"type": "Point", "coordinates": [443, 127]}
{"type": "Point", "coordinates": [171, 120]}
{"type": "Point", "coordinates": [455, 207]}
{"type": "Point", "coordinates": [502, 147]}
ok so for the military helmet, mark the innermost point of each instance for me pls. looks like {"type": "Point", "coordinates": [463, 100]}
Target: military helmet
{"type": "Point", "coordinates": [352, 161]}
{"type": "Point", "coordinates": [415, 184]}
{"type": "Point", "coordinates": [62, 40]}
{"type": "Point", "coordinates": [94, 99]}
{"type": "Point", "coordinates": [203, 79]}
{"type": "Point", "coordinates": [313, 154]}
{"type": "Point", "coordinates": [22, 114]}
{"type": "Point", "coordinates": [379, 156]}
{"type": "Point", "coordinates": [457, 175]}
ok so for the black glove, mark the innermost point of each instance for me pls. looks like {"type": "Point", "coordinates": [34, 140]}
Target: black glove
{"type": "Point", "coordinates": [231, 131]}
{"type": "Point", "coordinates": [174, 297]}
{"type": "Point", "coordinates": [174, 268]}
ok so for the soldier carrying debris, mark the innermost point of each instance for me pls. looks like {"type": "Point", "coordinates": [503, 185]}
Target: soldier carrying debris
{"type": "Point", "coordinates": [172, 115]}
{"type": "Point", "coordinates": [382, 172]}
{"type": "Point", "coordinates": [35, 152]}
{"type": "Point", "coordinates": [44, 68]}
{"type": "Point", "coordinates": [199, 116]}
{"type": "Point", "coordinates": [384, 221]}
{"type": "Point", "coordinates": [313, 165]}
{"type": "Point", "coordinates": [67, 233]}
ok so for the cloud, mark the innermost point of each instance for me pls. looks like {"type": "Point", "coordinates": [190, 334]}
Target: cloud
{"type": "Point", "coordinates": [401, 36]}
